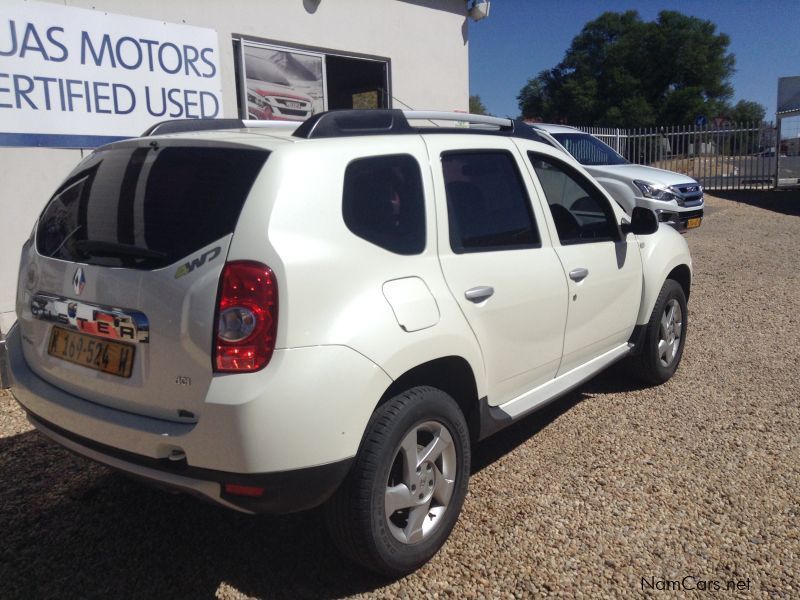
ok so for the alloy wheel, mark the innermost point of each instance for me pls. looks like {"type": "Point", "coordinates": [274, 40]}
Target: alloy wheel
{"type": "Point", "coordinates": [670, 333]}
{"type": "Point", "coordinates": [421, 482]}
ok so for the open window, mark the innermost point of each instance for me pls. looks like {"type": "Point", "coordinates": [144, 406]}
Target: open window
{"type": "Point", "coordinates": [580, 212]}
{"type": "Point", "coordinates": [292, 84]}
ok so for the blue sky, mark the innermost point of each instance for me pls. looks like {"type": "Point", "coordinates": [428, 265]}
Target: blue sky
{"type": "Point", "coordinates": [522, 37]}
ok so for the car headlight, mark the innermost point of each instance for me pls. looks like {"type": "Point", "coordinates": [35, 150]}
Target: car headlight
{"type": "Point", "coordinates": [257, 100]}
{"type": "Point", "coordinates": [655, 191]}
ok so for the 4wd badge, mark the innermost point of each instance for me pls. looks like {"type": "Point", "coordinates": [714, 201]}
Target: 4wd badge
{"type": "Point", "coordinates": [199, 261]}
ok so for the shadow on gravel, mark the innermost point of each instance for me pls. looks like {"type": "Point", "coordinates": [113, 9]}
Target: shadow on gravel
{"type": "Point", "coordinates": [74, 529]}
{"type": "Point", "coordinates": [786, 202]}
{"type": "Point", "coordinates": [611, 381]}
{"type": "Point", "coordinates": [496, 447]}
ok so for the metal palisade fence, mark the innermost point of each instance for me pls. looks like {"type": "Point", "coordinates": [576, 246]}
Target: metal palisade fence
{"type": "Point", "coordinates": [729, 157]}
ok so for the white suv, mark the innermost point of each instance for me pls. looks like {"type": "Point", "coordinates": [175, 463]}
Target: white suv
{"type": "Point", "coordinates": [676, 198]}
{"type": "Point", "coordinates": [276, 319]}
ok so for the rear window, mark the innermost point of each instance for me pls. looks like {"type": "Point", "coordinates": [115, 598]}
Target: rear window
{"type": "Point", "coordinates": [383, 202]}
{"type": "Point", "coordinates": [146, 208]}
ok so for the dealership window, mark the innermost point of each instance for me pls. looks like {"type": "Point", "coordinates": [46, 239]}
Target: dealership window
{"type": "Point", "coordinates": [282, 83]}
{"type": "Point", "coordinates": [356, 83]}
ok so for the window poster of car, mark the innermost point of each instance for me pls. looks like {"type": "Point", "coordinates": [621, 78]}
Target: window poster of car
{"type": "Point", "coordinates": [283, 85]}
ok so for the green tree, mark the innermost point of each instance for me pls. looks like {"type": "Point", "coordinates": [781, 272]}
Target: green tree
{"type": "Point", "coordinates": [476, 106]}
{"type": "Point", "coordinates": [746, 111]}
{"type": "Point", "coordinates": [534, 99]}
{"type": "Point", "coordinates": [624, 72]}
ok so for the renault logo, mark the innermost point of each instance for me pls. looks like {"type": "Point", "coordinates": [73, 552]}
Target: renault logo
{"type": "Point", "coordinates": [78, 281]}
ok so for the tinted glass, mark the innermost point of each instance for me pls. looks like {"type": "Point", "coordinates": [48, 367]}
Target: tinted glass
{"type": "Point", "coordinates": [580, 211]}
{"type": "Point", "coordinates": [588, 150]}
{"type": "Point", "coordinates": [383, 202]}
{"type": "Point", "coordinates": [144, 208]}
{"type": "Point", "coordinates": [487, 205]}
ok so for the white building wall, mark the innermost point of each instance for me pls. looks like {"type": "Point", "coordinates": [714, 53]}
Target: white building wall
{"type": "Point", "coordinates": [425, 41]}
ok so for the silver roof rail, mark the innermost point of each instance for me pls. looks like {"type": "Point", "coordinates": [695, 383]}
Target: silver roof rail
{"type": "Point", "coordinates": [432, 115]}
{"type": "Point", "coordinates": [343, 123]}
{"type": "Point", "coordinates": [259, 124]}
{"type": "Point", "coordinates": [186, 125]}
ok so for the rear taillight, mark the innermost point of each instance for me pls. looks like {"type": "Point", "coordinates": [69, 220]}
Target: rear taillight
{"type": "Point", "coordinates": [251, 491]}
{"type": "Point", "coordinates": [247, 318]}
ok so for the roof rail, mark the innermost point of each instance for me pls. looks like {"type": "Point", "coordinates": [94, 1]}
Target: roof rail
{"type": "Point", "coordinates": [428, 115]}
{"type": "Point", "coordinates": [338, 123]}
{"type": "Point", "coordinates": [341, 123]}
{"type": "Point", "coordinates": [185, 125]}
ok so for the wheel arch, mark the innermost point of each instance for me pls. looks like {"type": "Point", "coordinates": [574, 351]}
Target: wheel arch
{"type": "Point", "coordinates": [451, 374]}
{"type": "Point", "coordinates": [665, 255]}
{"type": "Point", "coordinates": [683, 275]}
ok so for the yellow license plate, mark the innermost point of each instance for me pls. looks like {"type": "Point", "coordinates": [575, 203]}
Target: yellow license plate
{"type": "Point", "coordinates": [694, 222]}
{"type": "Point", "coordinates": [91, 352]}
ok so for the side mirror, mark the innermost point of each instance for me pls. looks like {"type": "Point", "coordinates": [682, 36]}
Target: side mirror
{"type": "Point", "coordinates": [643, 222]}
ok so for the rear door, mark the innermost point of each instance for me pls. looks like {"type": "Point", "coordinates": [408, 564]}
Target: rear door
{"type": "Point", "coordinates": [117, 294]}
{"type": "Point", "coordinates": [604, 268]}
{"type": "Point", "coordinates": [498, 261]}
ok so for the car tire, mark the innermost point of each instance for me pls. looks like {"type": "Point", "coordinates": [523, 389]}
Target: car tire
{"type": "Point", "coordinates": [664, 337]}
{"type": "Point", "coordinates": [402, 497]}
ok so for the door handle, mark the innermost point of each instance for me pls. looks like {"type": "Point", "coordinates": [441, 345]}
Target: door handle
{"type": "Point", "coordinates": [578, 275]}
{"type": "Point", "coordinates": [479, 294]}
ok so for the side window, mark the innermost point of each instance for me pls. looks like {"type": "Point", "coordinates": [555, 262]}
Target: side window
{"type": "Point", "coordinates": [487, 206]}
{"type": "Point", "coordinates": [580, 212]}
{"type": "Point", "coordinates": [383, 202]}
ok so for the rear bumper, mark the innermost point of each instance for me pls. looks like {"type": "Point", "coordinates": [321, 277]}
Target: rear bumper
{"type": "Point", "coordinates": [284, 492]}
{"type": "Point", "coordinates": [295, 437]}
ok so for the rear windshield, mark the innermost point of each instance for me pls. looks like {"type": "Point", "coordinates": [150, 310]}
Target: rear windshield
{"type": "Point", "coordinates": [146, 208]}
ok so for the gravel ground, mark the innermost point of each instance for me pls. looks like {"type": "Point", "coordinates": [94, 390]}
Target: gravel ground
{"type": "Point", "coordinates": [612, 484]}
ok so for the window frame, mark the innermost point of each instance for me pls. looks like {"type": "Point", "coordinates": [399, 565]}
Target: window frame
{"type": "Point", "coordinates": [525, 193]}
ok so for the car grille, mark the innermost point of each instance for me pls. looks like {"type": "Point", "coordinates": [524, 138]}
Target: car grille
{"type": "Point", "coordinates": [689, 194]}
{"type": "Point", "coordinates": [291, 111]}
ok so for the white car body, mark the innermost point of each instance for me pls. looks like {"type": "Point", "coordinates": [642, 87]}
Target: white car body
{"type": "Point", "coordinates": [683, 196]}
{"type": "Point", "coordinates": [356, 323]}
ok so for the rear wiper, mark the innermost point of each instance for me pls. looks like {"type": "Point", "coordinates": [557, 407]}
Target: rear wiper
{"type": "Point", "coordinates": [65, 240]}
{"type": "Point", "coordinates": [99, 248]}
